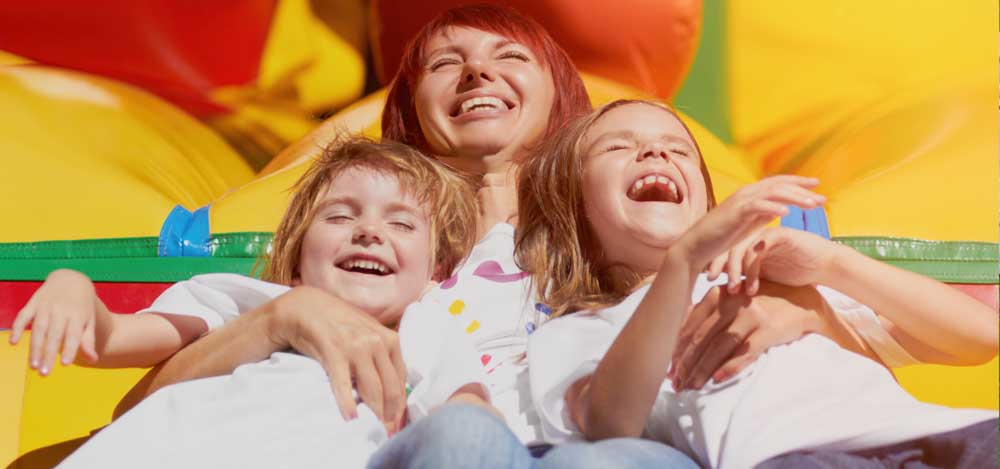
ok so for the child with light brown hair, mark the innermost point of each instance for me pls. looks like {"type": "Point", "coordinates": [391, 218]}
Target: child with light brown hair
{"type": "Point", "coordinates": [620, 255]}
{"type": "Point", "coordinates": [370, 226]}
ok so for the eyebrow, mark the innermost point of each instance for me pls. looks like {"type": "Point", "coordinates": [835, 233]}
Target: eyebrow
{"type": "Point", "coordinates": [500, 44]}
{"type": "Point", "coordinates": [630, 135]}
{"type": "Point", "coordinates": [354, 204]}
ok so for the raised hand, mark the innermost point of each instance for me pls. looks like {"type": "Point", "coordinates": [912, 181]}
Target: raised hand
{"type": "Point", "coordinates": [783, 255]}
{"type": "Point", "coordinates": [745, 212]}
{"type": "Point", "coordinates": [64, 312]}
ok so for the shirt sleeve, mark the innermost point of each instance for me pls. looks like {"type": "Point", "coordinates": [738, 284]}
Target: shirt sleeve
{"type": "Point", "coordinates": [439, 358]}
{"type": "Point", "coordinates": [561, 352]}
{"type": "Point", "coordinates": [215, 298]}
{"type": "Point", "coordinates": [866, 323]}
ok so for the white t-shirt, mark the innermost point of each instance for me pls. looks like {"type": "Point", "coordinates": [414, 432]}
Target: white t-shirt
{"type": "Point", "coordinates": [810, 394]}
{"type": "Point", "coordinates": [490, 300]}
{"type": "Point", "coordinates": [279, 412]}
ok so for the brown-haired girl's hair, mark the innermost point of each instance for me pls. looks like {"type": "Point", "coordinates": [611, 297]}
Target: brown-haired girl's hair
{"type": "Point", "coordinates": [554, 241]}
{"type": "Point", "coordinates": [399, 118]}
{"type": "Point", "coordinates": [447, 197]}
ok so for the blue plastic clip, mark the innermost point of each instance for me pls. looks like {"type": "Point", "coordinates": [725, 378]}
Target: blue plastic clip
{"type": "Point", "coordinates": [185, 233]}
{"type": "Point", "coordinates": [812, 220]}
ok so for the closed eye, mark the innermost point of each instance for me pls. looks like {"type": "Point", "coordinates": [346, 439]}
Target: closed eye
{"type": "Point", "coordinates": [441, 63]}
{"type": "Point", "coordinates": [516, 56]}
{"type": "Point", "coordinates": [402, 226]}
{"type": "Point", "coordinates": [614, 147]}
{"type": "Point", "coordinates": [339, 219]}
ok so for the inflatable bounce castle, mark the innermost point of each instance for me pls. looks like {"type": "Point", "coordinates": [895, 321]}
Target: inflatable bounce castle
{"type": "Point", "coordinates": [137, 139]}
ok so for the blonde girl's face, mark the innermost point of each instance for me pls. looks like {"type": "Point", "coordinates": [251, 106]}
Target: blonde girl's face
{"type": "Point", "coordinates": [642, 183]}
{"type": "Point", "coordinates": [369, 244]}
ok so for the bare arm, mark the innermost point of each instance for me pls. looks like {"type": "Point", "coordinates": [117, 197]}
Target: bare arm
{"type": "Point", "coordinates": [934, 322]}
{"type": "Point", "coordinates": [66, 312]}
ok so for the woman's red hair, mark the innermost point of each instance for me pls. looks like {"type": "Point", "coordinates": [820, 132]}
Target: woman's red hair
{"type": "Point", "coordinates": [399, 118]}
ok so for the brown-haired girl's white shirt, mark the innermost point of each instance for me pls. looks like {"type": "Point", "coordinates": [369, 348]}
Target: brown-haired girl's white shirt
{"type": "Point", "coordinates": [807, 395]}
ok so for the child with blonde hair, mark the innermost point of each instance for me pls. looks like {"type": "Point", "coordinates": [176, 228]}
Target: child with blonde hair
{"type": "Point", "coordinates": [370, 226]}
{"type": "Point", "coordinates": [625, 252]}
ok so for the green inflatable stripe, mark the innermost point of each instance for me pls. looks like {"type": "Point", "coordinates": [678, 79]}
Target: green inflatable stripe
{"type": "Point", "coordinates": [125, 269]}
{"type": "Point", "coordinates": [947, 261]}
{"type": "Point", "coordinates": [135, 260]}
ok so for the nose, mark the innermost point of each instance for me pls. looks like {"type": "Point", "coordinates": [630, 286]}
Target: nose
{"type": "Point", "coordinates": [476, 71]}
{"type": "Point", "coordinates": [654, 150]}
{"type": "Point", "coordinates": [367, 234]}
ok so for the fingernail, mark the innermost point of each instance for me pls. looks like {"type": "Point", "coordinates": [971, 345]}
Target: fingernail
{"type": "Point", "coordinates": [34, 364]}
{"type": "Point", "coordinates": [65, 361]}
{"type": "Point", "coordinates": [44, 371]}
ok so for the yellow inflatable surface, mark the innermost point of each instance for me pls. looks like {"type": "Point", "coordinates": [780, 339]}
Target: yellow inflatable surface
{"type": "Point", "coordinates": [87, 157]}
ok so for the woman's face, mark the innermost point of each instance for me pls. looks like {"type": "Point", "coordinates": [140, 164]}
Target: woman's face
{"type": "Point", "coordinates": [642, 183]}
{"type": "Point", "coordinates": [481, 94]}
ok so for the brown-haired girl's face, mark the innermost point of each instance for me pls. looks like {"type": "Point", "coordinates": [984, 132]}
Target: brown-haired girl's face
{"type": "Point", "coordinates": [369, 244]}
{"type": "Point", "coordinates": [481, 94]}
{"type": "Point", "coordinates": [642, 183]}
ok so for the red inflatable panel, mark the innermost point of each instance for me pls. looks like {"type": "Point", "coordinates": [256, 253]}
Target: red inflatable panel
{"type": "Point", "coordinates": [119, 297]}
{"type": "Point", "coordinates": [179, 50]}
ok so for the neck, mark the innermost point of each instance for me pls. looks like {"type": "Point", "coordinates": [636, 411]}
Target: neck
{"type": "Point", "coordinates": [480, 165]}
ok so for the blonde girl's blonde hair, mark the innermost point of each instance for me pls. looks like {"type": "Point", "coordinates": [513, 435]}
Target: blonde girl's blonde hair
{"type": "Point", "coordinates": [447, 197]}
{"type": "Point", "coordinates": [554, 241]}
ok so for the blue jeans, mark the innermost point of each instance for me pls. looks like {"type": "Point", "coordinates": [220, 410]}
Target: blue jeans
{"type": "Point", "coordinates": [465, 436]}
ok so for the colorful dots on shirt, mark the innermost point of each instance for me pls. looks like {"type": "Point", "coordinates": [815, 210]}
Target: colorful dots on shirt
{"type": "Point", "coordinates": [456, 307]}
{"type": "Point", "coordinates": [530, 327]}
{"type": "Point", "coordinates": [472, 327]}
{"type": "Point", "coordinates": [485, 358]}
{"type": "Point", "coordinates": [543, 309]}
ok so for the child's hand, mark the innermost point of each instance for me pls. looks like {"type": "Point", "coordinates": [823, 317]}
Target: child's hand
{"type": "Point", "coordinates": [497, 201]}
{"type": "Point", "coordinates": [782, 255]}
{"type": "Point", "coordinates": [63, 311]}
{"type": "Point", "coordinates": [745, 212]}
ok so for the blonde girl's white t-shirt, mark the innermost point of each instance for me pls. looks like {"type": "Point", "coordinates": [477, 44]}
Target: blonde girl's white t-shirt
{"type": "Point", "coordinates": [279, 412]}
{"type": "Point", "coordinates": [809, 394]}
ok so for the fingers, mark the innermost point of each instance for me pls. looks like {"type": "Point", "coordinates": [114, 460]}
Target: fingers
{"type": "Point", "coordinates": [698, 314]}
{"type": "Point", "coordinates": [722, 348]}
{"type": "Point", "coordinates": [53, 339]}
{"type": "Point", "coordinates": [396, 355]}
{"type": "Point", "coordinates": [733, 340]}
{"type": "Point", "coordinates": [715, 267]}
{"type": "Point", "coordinates": [700, 339]}
{"type": "Point", "coordinates": [339, 371]}
{"type": "Point", "coordinates": [23, 318]}
{"type": "Point", "coordinates": [39, 327]}
{"type": "Point", "coordinates": [751, 267]}
{"type": "Point", "coordinates": [87, 342]}
{"type": "Point", "coordinates": [392, 390]}
{"type": "Point", "coordinates": [71, 341]}
{"type": "Point", "coordinates": [740, 360]}
{"type": "Point", "coordinates": [369, 383]}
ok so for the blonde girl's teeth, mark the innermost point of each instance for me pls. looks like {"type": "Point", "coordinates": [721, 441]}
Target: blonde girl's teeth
{"type": "Point", "coordinates": [638, 185]}
{"type": "Point", "coordinates": [673, 188]}
{"type": "Point", "coordinates": [650, 179]}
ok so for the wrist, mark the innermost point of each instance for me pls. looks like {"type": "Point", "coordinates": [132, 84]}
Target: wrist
{"type": "Point", "coordinates": [834, 272]}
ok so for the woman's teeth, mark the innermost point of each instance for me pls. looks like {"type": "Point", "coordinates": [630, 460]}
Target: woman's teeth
{"type": "Point", "coordinates": [484, 102]}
